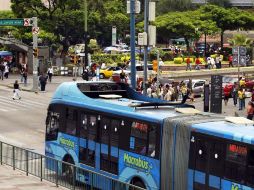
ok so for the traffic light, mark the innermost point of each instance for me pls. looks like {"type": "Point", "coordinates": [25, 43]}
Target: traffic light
{"type": "Point", "coordinates": [75, 59]}
{"type": "Point", "coordinates": [36, 52]}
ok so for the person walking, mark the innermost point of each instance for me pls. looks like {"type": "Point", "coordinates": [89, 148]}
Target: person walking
{"type": "Point", "coordinates": [6, 71]}
{"type": "Point", "coordinates": [50, 73]}
{"type": "Point", "coordinates": [2, 68]}
{"type": "Point", "coordinates": [250, 110]}
{"type": "Point", "coordinates": [230, 61]}
{"type": "Point", "coordinates": [16, 90]}
{"type": "Point", "coordinates": [25, 78]}
{"type": "Point", "coordinates": [122, 76]}
{"type": "Point", "coordinates": [197, 62]}
{"type": "Point", "coordinates": [43, 82]}
{"type": "Point", "coordinates": [241, 97]}
{"type": "Point", "coordinates": [188, 63]}
{"type": "Point", "coordinates": [234, 94]}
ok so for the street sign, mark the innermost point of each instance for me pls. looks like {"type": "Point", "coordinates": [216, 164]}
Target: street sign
{"type": "Point", "coordinates": [28, 22]}
{"type": "Point", "coordinates": [235, 59]}
{"type": "Point", "coordinates": [216, 94]}
{"type": "Point", "coordinates": [142, 39]}
{"type": "Point", "coordinates": [242, 60]}
{"type": "Point", "coordinates": [243, 51]}
{"type": "Point", "coordinates": [35, 30]}
{"type": "Point", "coordinates": [12, 22]}
{"type": "Point", "coordinates": [113, 35]}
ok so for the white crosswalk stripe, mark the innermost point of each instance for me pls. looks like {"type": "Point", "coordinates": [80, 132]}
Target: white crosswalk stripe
{"type": "Point", "coordinates": [7, 104]}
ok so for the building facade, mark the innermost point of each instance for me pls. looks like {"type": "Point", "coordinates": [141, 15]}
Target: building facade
{"type": "Point", "coordinates": [235, 3]}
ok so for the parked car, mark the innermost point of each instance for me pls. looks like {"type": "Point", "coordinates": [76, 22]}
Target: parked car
{"type": "Point", "coordinates": [108, 72]}
{"type": "Point", "coordinates": [228, 84]}
{"type": "Point", "coordinates": [197, 86]}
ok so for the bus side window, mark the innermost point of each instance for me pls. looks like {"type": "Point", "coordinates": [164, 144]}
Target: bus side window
{"type": "Point", "coordinates": [83, 125]}
{"type": "Point", "coordinates": [115, 124]}
{"type": "Point", "coordinates": [217, 157]}
{"type": "Point", "coordinates": [105, 127]}
{"type": "Point", "coordinates": [124, 133]}
{"type": "Point", "coordinates": [52, 125]}
{"type": "Point", "coordinates": [138, 139]}
{"type": "Point", "coordinates": [250, 167]}
{"type": "Point", "coordinates": [235, 164]}
{"type": "Point", "coordinates": [152, 141]}
{"type": "Point", "coordinates": [92, 131]}
{"type": "Point", "coordinates": [71, 121]}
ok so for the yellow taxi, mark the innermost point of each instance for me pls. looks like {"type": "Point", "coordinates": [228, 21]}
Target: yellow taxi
{"type": "Point", "coordinates": [108, 72]}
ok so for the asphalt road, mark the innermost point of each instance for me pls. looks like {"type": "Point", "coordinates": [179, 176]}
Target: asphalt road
{"type": "Point", "coordinates": [22, 121]}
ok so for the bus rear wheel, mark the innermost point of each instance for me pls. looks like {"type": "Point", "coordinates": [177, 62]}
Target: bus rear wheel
{"type": "Point", "coordinates": [68, 171]}
{"type": "Point", "coordinates": [137, 182]}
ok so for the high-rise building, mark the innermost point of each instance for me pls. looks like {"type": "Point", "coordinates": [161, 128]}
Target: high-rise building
{"type": "Point", "coordinates": [5, 5]}
{"type": "Point", "coordinates": [235, 3]}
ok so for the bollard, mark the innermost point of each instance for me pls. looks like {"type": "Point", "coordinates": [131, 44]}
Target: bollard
{"type": "Point", "coordinates": [1, 158]}
{"type": "Point", "coordinates": [13, 157]}
{"type": "Point", "coordinates": [56, 173]}
{"type": "Point", "coordinates": [41, 167]}
{"type": "Point", "coordinates": [27, 162]}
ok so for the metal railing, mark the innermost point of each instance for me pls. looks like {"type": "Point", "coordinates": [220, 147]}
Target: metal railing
{"type": "Point", "coordinates": [58, 172]}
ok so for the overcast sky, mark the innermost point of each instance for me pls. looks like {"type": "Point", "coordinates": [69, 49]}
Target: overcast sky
{"type": "Point", "coordinates": [5, 4]}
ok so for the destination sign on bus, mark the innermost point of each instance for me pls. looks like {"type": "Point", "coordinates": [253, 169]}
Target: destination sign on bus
{"type": "Point", "coordinates": [233, 148]}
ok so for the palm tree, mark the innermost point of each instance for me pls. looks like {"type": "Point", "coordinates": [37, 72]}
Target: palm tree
{"type": "Point", "coordinates": [241, 40]}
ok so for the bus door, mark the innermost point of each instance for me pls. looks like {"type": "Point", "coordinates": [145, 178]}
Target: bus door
{"type": "Point", "coordinates": [88, 137]}
{"type": "Point", "coordinates": [206, 161]}
{"type": "Point", "coordinates": [109, 152]}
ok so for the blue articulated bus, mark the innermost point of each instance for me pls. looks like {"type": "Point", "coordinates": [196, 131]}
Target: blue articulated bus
{"type": "Point", "coordinates": [110, 129]}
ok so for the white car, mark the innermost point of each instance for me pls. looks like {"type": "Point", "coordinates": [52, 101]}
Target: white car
{"type": "Point", "coordinates": [197, 86]}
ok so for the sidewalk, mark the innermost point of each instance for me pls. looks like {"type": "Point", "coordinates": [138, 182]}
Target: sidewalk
{"type": "Point", "coordinates": [17, 180]}
{"type": "Point", "coordinates": [50, 87]}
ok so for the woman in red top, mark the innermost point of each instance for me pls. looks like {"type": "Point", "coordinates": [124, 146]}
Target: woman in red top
{"type": "Point", "coordinates": [250, 110]}
{"type": "Point", "coordinates": [197, 63]}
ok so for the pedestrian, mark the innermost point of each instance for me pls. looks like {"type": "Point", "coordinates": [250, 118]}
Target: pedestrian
{"type": "Point", "coordinates": [43, 82]}
{"type": "Point", "coordinates": [85, 74]}
{"type": "Point", "coordinates": [2, 68]}
{"type": "Point", "coordinates": [188, 63]}
{"type": "Point", "coordinates": [234, 94]}
{"type": "Point", "coordinates": [22, 70]}
{"type": "Point", "coordinates": [212, 63]}
{"type": "Point", "coordinates": [250, 110]}
{"type": "Point", "coordinates": [226, 98]}
{"type": "Point", "coordinates": [217, 61]}
{"type": "Point", "coordinates": [230, 60]}
{"type": "Point", "coordinates": [6, 71]}
{"type": "Point", "coordinates": [16, 90]}
{"type": "Point", "coordinates": [209, 63]}
{"type": "Point", "coordinates": [122, 76]}
{"type": "Point", "coordinates": [197, 62]}
{"type": "Point", "coordinates": [25, 78]}
{"type": "Point", "coordinates": [241, 97]}
{"type": "Point", "coordinates": [50, 73]}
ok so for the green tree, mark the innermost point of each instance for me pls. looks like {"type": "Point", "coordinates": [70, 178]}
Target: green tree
{"type": "Point", "coordinates": [241, 40]}
{"type": "Point", "coordinates": [227, 19]}
{"type": "Point", "coordinates": [179, 24]}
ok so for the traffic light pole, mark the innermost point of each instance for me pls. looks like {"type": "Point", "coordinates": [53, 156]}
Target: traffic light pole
{"type": "Point", "coordinates": [132, 42]}
{"type": "Point", "coordinates": [35, 58]}
{"type": "Point", "coordinates": [146, 14]}
{"type": "Point", "coordinates": [86, 34]}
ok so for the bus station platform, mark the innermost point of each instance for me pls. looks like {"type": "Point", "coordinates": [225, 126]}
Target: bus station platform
{"type": "Point", "coordinates": [16, 180]}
